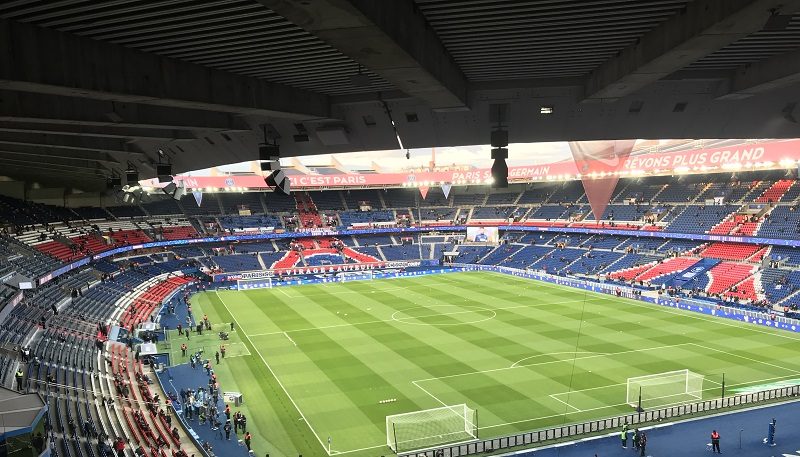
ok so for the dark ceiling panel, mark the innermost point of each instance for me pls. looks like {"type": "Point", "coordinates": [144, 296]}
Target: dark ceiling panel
{"type": "Point", "coordinates": [240, 36]}
{"type": "Point", "coordinates": [517, 39]}
{"type": "Point", "coordinates": [753, 48]}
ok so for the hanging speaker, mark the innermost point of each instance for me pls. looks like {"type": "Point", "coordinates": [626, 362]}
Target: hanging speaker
{"type": "Point", "coordinates": [278, 181]}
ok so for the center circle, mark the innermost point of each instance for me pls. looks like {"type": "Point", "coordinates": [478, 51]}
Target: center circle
{"type": "Point", "coordinates": [444, 315]}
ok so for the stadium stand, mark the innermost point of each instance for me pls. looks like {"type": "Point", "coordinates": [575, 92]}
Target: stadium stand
{"type": "Point", "coordinates": [739, 274]}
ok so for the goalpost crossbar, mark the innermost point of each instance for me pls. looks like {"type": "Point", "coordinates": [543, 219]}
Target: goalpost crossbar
{"type": "Point", "coordinates": [431, 427]}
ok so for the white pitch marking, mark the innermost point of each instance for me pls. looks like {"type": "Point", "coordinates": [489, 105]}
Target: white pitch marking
{"type": "Point", "coordinates": [302, 416]}
{"type": "Point", "coordinates": [515, 364]}
{"type": "Point", "coordinates": [468, 373]}
{"type": "Point", "coordinates": [568, 405]}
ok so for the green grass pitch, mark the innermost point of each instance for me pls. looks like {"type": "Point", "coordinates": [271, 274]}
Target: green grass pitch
{"type": "Point", "coordinates": [315, 361]}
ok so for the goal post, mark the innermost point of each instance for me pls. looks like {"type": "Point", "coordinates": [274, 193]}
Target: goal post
{"type": "Point", "coordinates": [363, 275]}
{"type": "Point", "coordinates": [431, 427]}
{"type": "Point", "coordinates": [665, 388]}
{"type": "Point", "coordinates": [260, 283]}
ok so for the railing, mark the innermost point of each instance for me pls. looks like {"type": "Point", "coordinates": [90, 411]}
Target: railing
{"type": "Point", "coordinates": [544, 436]}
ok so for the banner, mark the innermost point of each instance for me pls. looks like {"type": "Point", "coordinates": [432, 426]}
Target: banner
{"type": "Point", "coordinates": [598, 163]}
{"type": "Point", "coordinates": [706, 160]}
{"type": "Point", "coordinates": [198, 196]}
{"type": "Point", "coordinates": [446, 190]}
{"type": "Point", "coordinates": [423, 190]}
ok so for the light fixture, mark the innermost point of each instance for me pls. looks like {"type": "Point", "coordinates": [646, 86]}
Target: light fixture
{"type": "Point", "coordinates": [546, 110]}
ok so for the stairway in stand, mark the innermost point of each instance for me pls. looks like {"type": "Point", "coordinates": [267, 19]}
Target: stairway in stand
{"type": "Point", "coordinates": [307, 210]}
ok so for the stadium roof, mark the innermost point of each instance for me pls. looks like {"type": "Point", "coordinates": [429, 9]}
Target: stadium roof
{"type": "Point", "coordinates": [88, 88]}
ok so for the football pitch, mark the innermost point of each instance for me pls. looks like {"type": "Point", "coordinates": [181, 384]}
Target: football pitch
{"type": "Point", "coordinates": [320, 361]}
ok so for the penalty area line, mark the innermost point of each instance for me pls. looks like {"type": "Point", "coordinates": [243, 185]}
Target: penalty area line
{"type": "Point", "coordinates": [553, 396]}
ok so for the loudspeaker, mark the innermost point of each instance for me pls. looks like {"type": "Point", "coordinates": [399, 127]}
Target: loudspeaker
{"type": "Point", "coordinates": [164, 172]}
{"type": "Point", "coordinates": [132, 177]}
{"type": "Point", "coordinates": [279, 181]}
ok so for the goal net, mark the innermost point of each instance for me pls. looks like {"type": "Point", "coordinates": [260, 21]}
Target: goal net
{"type": "Point", "coordinates": [260, 283]}
{"type": "Point", "coordinates": [431, 427]}
{"type": "Point", "coordinates": [665, 388]}
{"type": "Point", "coordinates": [347, 276]}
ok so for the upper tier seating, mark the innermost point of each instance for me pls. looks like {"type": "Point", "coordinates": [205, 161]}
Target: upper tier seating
{"type": "Point", "coordinates": [502, 198]}
{"type": "Point", "coordinates": [355, 217]}
{"type": "Point", "coordinates": [680, 192]}
{"type": "Point", "coordinates": [126, 211]}
{"type": "Point", "coordinates": [374, 240]}
{"type": "Point", "coordinates": [166, 206]}
{"type": "Point", "coordinates": [570, 192]}
{"type": "Point", "coordinates": [400, 198]}
{"type": "Point", "coordinates": [700, 218]}
{"type": "Point", "coordinates": [435, 197]}
{"type": "Point", "coordinates": [354, 198]}
{"type": "Point", "coordinates": [775, 191]}
{"type": "Point", "coordinates": [468, 199]}
{"type": "Point", "coordinates": [641, 244]}
{"type": "Point", "coordinates": [549, 212]}
{"type": "Point", "coordinates": [496, 212]}
{"type": "Point", "coordinates": [249, 222]}
{"type": "Point", "coordinates": [401, 252]}
{"type": "Point", "coordinates": [237, 262]}
{"type": "Point", "coordinates": [208, 205]}
{"type": "Point", "coordinates": [91, 213]}
{"type": "Point", "coordinates": [328, 200]}
{"type": "Point", "coordinates": [436, 214]}
{"type": "Point", "coordinates": [18, 212]}
{"type": "Point", "coordinates": [536, 195]}
{"type": "Point", "coordinates": [782, 222]}
{"type": "Point", "coordinates": [641, 192]}
{"type": "Point", "coordinates": [623, 213]}
{"type": "Point", "coordinates": [603, 242]}
{"type": "Point", "coordinates": [232, 201]}
{"type": "Point", "coordinates": [279, 203]}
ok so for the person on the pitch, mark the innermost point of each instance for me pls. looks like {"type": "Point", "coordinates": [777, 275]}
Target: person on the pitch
{"type": "Point", "coordinates": [715, 442]}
